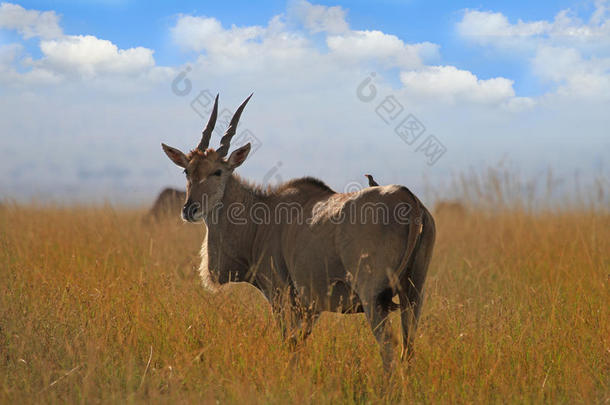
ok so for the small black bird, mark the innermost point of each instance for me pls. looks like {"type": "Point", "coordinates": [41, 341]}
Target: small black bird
{"type": "Point", "coordinates": [372, 182]}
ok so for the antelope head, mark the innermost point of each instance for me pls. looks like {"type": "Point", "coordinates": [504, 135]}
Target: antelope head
{"type": "Point", "coordinates": [207, 171]}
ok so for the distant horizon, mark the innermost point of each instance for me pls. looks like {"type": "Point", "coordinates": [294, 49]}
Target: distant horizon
{"type": "Point", "coordinates": [545, 192]}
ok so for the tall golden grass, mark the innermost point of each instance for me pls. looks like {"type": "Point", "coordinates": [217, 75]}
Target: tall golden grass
{"type": "Point", "coordinates": [97, 307]}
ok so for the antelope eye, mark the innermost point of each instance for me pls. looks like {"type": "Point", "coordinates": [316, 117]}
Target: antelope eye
{"type": "Point", "coordinates": [185, 172]}
{"type": "Point", "coordinates": [217, 173]}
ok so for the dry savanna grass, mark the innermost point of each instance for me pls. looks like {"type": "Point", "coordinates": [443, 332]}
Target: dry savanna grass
{"type": "Point", "coordinates": [97, 307]}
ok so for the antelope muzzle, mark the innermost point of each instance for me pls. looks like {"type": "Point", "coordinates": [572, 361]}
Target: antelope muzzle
{"type": "Point", "coordinates": [192, 212]}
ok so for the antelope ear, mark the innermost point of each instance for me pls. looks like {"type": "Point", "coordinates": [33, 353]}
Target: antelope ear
{"type": "Point", "coordinates": [175, 155]}
{"type": "Point", "coordinates": [238, 156]}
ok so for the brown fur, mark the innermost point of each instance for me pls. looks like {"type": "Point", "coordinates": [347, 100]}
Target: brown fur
{"type": "Point", "coordinates": [168, 204]}
{"type": "Point", "coordinates": [317, 261]}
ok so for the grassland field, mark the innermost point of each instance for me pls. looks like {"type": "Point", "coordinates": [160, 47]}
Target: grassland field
{"type": "Point", "coordinates": [98, 307]}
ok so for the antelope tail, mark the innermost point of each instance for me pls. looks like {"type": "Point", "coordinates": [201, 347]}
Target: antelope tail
{"type": "Point", "coordinates": [413, 238]}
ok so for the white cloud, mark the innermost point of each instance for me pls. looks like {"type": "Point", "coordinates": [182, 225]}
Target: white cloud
{"type": "Point", "coordinates": [89, 56]}
{"type": "Point", "coordinates": [317, 18]}
{"type": "Point", "coordinates": [242, 48]}
{"type": "Point", "coordinates": [575, 75]}
{"type": "Point", "coordinates": [254, 47]}
{"type": "Point", "coordinates": [493, 28]}
{"type": "Point", "coordinates": [568, 53]}
{"type": "Point", "coordinates": [202, 33]}
{"type": "Point", "coordinates": [484, 27]}
{"type": "Point", "coordinates": [8, 54]}
{"type": "Point", "coordinates": [29, 23]}
{"type": "Point", "coordinates": [358, 46]}
{"type": "Point", "coordinates": [448, 83]}
{"type": "Point", "coordinates": [67, 56]}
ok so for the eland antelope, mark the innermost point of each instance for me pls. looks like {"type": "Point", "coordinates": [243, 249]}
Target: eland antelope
{"type": "Point", "coordinates": [450, 208]}
{"type": "Point", "coordinates": [168, 203]}
{"type": "Point", "coordinates": [308, 248]}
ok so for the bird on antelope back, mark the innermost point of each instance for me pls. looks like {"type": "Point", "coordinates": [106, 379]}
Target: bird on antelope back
{"type": "Point", "coordinates": [307, 248]}
{"type": "Point", "coordinates": [372, 182]}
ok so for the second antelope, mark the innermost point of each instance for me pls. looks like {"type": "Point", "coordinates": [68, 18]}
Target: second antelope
{"type": "Point", "coordinates": [308, 248]}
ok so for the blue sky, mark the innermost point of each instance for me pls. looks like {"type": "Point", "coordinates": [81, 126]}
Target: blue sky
{"type": "Point", "coordinates": [132, 23]}
{"type": "Point", "coordinates": [90, 82]}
